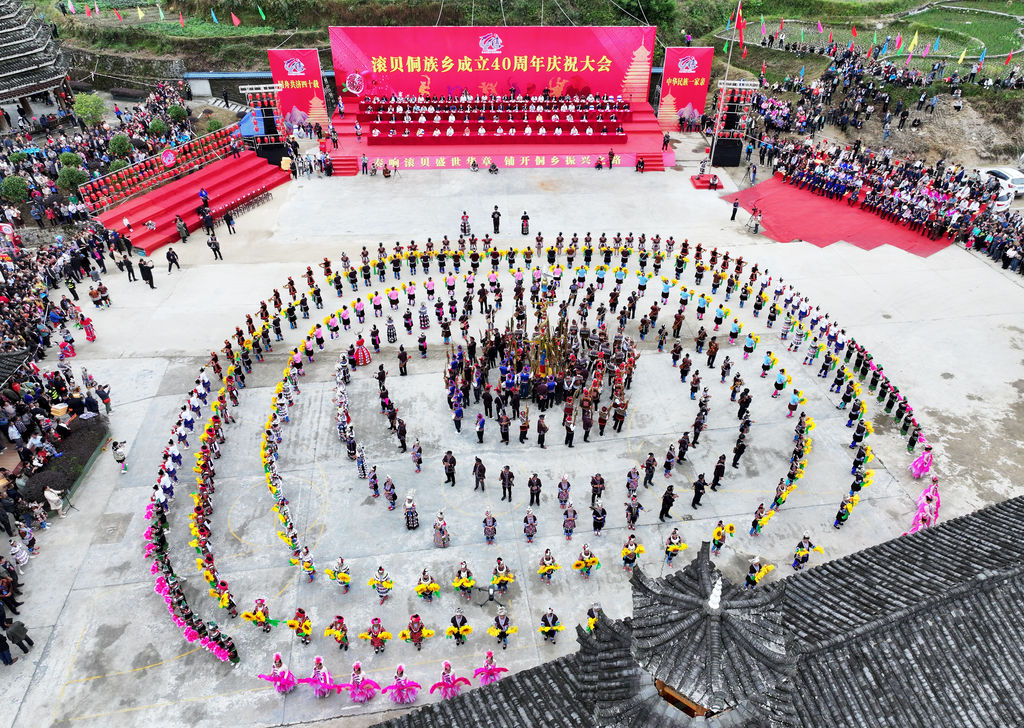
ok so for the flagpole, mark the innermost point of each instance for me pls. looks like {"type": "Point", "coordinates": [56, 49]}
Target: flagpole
{"type": "Point", "coordinates": [728, 67]}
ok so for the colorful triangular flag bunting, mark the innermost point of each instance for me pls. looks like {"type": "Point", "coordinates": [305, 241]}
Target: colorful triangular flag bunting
{"type": "Point", "coordinates": [235, 20]}
{"type": "Point", "coordinates": [261, 12]}
{"type": "Point", "coordinates": [214, 16]}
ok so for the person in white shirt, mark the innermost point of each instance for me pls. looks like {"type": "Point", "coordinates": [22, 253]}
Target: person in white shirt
{"type": "Point", "coordinates": [558, 131]}
{"type": "Point", "coordinates": [481, 130]}
{"type": "Point", "coordinates": [528, 130]}
{"type": "Point", "coordinates": [574, 131]}
{"type": "Point", "coordinates": [450, 132]}
{"type": "Point", "coordinates": [499, 131]}
{"type": "Point", "coordinates": [542, 131]}
{"type": "Point", "coordinates": [590, 131]}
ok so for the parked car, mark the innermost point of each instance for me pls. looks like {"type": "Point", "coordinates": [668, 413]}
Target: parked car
{"type": "Point", "coordinates": [1010, 178]}
{"type": "Point", "coordinates": [1003, 200]}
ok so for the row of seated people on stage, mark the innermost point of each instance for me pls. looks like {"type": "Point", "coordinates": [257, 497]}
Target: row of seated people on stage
{"type": "Point", "coordinates": [492, 129]}
{"type": "Point", "coordinates": [511, 117]}
{"type": "Point", "coordinates": [533, 104]}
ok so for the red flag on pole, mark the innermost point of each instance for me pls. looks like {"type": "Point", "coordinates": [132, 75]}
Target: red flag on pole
{"type": "Point", "coordinates": [181, 19]}
{"type": "Point", "coordinates": [1008, 59]}
{"type": "Point", "coordinates": [830, 36]}
{"type": "Point", "coordinates": [851, 46]}
{"type": "Point", "coordinates": [744, 52]}
{"type": "Point", "coordinates": [853, 31]}
{"type": "Point", "coordinates": [118, 14]}
{"type": "Point", "coordinates": [762, 68]}
{"type": "Point", "coordinates": [235, 20]}
{"type": "Point", "coordinates": [88, 11]}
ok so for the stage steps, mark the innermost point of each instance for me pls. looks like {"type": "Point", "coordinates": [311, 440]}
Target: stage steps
{"type": "Point", "coordinates": [346, 166]}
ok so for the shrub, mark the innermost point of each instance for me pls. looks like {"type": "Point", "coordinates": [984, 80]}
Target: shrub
{"type": "Point", "coordinates": [90, 108]}
{"type": "Point", "coordinates": [17, 158]}
{"type": "Point", "coordinates": [116, 165]}
{"type": "Point", "coordinates": [157, 127]}
{"type": "Point", "coordinates": [14, 188]}
{"type": "Point", "coordinates": [176, 112]}
{"type": "Point", "coordinates": [78, 447]}
{"type": "Point", "coordinates": [70, 159]}
{"type": "Point", "coordinates": [120, 145]}
{"type": "Point", "coordinates": [213, 125]}
{"type": "Point", "coordinates": [69, 178]}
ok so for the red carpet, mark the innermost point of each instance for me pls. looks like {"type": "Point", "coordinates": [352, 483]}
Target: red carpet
{"type": "Point", "coordinates": [793, 214]}
{"type": "Point", "coordinates": [230, 182]}
{"type": "Point", "coordinates": [643, 137]}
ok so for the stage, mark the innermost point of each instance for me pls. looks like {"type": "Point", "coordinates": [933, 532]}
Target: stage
{"type": "Point", "coordinates": [793, 214]}
{"type": "Point", "coordinates": [642, 137]}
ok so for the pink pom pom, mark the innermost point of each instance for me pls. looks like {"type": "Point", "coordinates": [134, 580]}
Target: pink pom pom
{"type": "Point", "coordinates": [191, 635]}
{"type": "Point", "coordinates": [178, 620]}
{"type": "Point", "coordinates": [150, 548]}
{"type": "Point", "coordinates": [154, 568]}
{"type": "Point", "coordinates": [168, 600]}
{"type": "Point", "coordinates": [149, 511]}
{"type": "Point", "coordinates": [221, 653]}
{"type": "Point", "coordinates": [148, 533]}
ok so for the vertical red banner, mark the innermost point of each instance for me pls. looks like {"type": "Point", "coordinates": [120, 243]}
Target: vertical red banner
{"type": "Point", "coordinates": [684, 85]}
{"type": "Point", "coordinates": [300, 86]}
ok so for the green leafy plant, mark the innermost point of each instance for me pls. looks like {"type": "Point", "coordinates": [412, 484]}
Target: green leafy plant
{"type": "Point", "coordinates": [120, 146]}
{"type": "Point", "coordinates": [116, 165]}
{"type": "Point", "coordinates": [176, 112]}
{"type": "Point", "coordinates": [90, 108]}
{"type": "Point", "coordinates": [157, 127]}
{"type": "Point", "coordinates": [70, 159]}
{"type": "Point", "coordinates": [213, 125]}
{"type": "Point", "coordinates": [14, 188]}
{"type": "Point", "coordinates": [69, 178]}
{"type": "Point", "coordinates": [17, 157]}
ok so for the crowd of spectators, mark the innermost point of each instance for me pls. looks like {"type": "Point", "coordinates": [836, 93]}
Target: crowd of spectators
{"type": "Point", "coordinates": [35, 155]}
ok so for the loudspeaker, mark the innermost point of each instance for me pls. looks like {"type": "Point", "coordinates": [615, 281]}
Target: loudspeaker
{"type": "Point", "coordinates": [727, 153]}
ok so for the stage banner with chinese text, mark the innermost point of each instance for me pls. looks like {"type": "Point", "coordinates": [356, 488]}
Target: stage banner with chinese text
{"type": "Point", "coordinates": [442, 61]}
{"type": "Point", "coordinates": [300, 88]}
{"type": "Point", "coordinates": [684, 85]}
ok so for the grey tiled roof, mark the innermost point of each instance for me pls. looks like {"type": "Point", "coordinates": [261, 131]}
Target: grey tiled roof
{"type": "Point", "coordinates": [716, 655]}
{"type": "Point", "coordinates": [854, 593]}
{"type": "Point", "coordinates": [31, 59]}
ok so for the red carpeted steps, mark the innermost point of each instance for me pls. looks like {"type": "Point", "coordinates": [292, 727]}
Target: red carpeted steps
{"type": "Point", "coordinates": [652, 162]}
{"type": "Point", "coordinates": [229, 182]}
{"type": "Point", "coordinates": [346, 166]}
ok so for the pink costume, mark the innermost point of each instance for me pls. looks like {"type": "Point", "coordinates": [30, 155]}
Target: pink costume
{"type": "Point", "coordinates": [489, 672]}
{"type": "Point", "coordinates": [403, 690]}
{"type": "Point", "coordinates": [283, 679]}
{"type": "Point", "coordinates": [320, 680]}
{"type": "Point", "coordinates": [927, 508]}
{"type": "Point", "coordinates": [922, 464]}
{"type": "Point", "coordinates": [449, 684]}
{"type": "Point", "coordinates": [361, 689]}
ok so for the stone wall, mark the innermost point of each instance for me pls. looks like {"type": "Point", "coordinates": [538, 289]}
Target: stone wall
{"type": "Point", "coordinates": [107, 70]}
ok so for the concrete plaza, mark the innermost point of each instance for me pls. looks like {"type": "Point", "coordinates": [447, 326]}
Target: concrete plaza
{"type": "Point", "coordinates": [946, 328]}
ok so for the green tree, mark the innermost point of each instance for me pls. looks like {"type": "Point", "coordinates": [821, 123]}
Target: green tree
{"type": "Point", "coordinates": [213, 125]}
{"type": "Point", "coordinates": [70, 159]}
{"type": "Point", "coordinates": [157, 127]}
{"type": "Point", "coordinates": [69, 178]}
{"type": "Point", "coordinates": [176, 112]}
{"type": "Point", "coordinates": [90, 108]}
{"type": "Point", "coordinates": [17, 157]}
{"type": "Point", "coordinates": [120, 145]}
{"type": "Point", "coordinates": [14, 188]}
{"type": "Point", "coordinates": [116, 165]}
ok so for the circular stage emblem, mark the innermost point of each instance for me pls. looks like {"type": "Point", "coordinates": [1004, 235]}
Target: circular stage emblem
{"type": "Point", "coordinates": [354, 83]}
{"type": "Point", "coordinates": [167, 157]}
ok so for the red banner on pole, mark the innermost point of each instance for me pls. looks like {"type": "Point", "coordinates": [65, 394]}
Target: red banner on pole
{"type": "Point", "coordinates": [442, 61]}
{"type": "Point", "coordinates": [684, 85]}
{"type": "Point", "coordinates": [300, 87]}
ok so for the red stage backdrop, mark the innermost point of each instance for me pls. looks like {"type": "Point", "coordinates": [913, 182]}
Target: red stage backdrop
{"type": "Point", "coordinates": [381, 61]}
{"type": "Point", "coordinates": [684, 87]}
{"type": "Point", "coordinates": [300, 88]}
